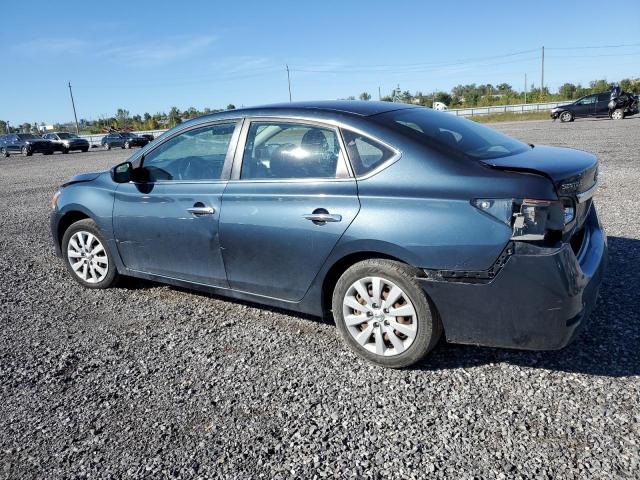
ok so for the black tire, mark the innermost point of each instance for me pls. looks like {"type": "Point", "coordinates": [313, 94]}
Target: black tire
{"type": "Point", "coordinates": [107, 146]}
{"type": "Point", "coordinates": [566, 116]}
{"type": "Point", "coordinates": [4, 153]}
{"type": "Point", "coordinates": [127, 145]}
{"type": "Point", "coordinates": [88, 225]}
{"type": "Point", "coordinates": [26, 152]}
{"type": "Point", "coordinates": [65, 151]}
{"type": "Point", "coordinates": [47, 153]}
{"type": "Point", "coordinates": [85, 150]}
{"type": "Point", "coordinates": [429, 327]}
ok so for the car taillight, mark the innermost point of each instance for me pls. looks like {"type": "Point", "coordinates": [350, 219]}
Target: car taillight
{"type": "Point", "coordinates": [530, 219]}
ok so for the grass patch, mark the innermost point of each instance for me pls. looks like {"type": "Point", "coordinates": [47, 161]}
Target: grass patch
{"type": "Point", "coordinates": [510, 117]}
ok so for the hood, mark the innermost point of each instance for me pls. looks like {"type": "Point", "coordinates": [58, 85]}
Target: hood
{"type": "Point", "coordinates": [570, 170]}
{"type": "Point", "coordinates": [83, 177]}
{"type": "Point", "coordinates": [561, 107]}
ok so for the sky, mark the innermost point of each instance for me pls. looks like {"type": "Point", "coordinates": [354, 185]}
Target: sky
{"type": "Point", "coordinates": [149, 56]}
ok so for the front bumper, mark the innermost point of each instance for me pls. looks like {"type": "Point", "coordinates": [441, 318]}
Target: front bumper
{"type": "Point", "coordinates": [40, 147]}
{"type": "Point", "coordinates": [554, 115]}
{"type": "Point", "coordinates": [538, 301]}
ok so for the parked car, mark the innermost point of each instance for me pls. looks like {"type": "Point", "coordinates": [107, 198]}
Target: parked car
{"type": "Point", "coordinates": [123, 140]}
{"type": "Point", "coordinates": [25, 143]}
{"type": "Point", "coordinates": [148, 136]}
{"type": "Point", "coordinates": [596, 105]}
{"type": "Point", "coordinates": [402, 221]}
{"type": "Point", "coordinates": [66, 142]}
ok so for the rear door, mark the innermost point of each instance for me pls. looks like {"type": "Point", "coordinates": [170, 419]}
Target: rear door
{"type": "Point", "coordinates": [290, 198]}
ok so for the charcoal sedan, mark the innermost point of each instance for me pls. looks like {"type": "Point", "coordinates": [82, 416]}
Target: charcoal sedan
{"type": "Point", "coordinates": [403, 223]}
{"type": "Point", "coordinates": [67, 142]}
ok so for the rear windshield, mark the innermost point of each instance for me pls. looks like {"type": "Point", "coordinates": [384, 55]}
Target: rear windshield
{"type": "Point", "coordinates": [28, 136]}
{"type": "Point", "coordinates": [64, 136]}
{"type": "Point", "coordinates": [452, 133]}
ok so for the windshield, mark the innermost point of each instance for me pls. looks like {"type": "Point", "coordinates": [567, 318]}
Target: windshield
{"type": "Point", "coordinates": [447, 131]}
{"type": "Point", "coordinates": [128, 134]}
{"type": "Point", "coordinates": [64, 136]}
{"type": "Point", "coordinates": [28, 136]}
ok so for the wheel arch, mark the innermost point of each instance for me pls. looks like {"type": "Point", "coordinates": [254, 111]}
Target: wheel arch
{"type": "Point", "coordinates": [68, 219]}
{"type": "Point", "coordinates": [340, 266]}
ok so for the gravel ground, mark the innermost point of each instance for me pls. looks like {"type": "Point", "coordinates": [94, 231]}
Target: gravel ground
{"type": "Point", "coordinates": [151, 381]}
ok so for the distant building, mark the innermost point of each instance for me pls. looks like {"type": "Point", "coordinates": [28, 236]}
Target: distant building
{"type": "Point", "coordinates": [45, 128]}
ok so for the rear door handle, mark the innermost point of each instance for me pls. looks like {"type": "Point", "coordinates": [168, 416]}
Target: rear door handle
{"type": "Point", "coordinates": [323, 217]}
{"type": "Point", "coordinates": [202, 210]}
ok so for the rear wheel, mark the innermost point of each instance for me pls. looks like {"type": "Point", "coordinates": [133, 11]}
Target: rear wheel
{"type": "Point", "coordinates": [566, 116]}
{"type": "Point", "coordinates": [85, 150]}
{"type": "Point", "coordinates": [4, 153]}
{"type": "Point", "coordinates": [617, 114]}
{"type": "Point", "coordinates": [65, 150]}
{"type": "Point", "coordinates": [26, 152]}
{"type": "Point", "coordinates": [383, 314]}
{"type": "Point", "coordinates": [87, 256]}
{"type": "Point", "coordinates": [107, 146]}
{"type": "Point", "coordinates": [127, 145]}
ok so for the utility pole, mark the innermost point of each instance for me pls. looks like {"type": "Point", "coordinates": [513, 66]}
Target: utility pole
{"type": "Point", "coordinates": [74, 109]}
{"type": "Point", "coordinates": [289, 82]}
{"type": "Point", "coordinates": [379, 94]}
{"type": "Point", "coordinates": [542, 74]}
{"type": "Point", "coordinates": [525, 88]}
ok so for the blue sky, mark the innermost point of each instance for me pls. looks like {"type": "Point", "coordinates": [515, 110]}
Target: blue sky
{"type": "Point", "coordinates": [149, 56]}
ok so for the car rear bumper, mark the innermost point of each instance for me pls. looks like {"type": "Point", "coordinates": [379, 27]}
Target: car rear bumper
{"type": "Point", "coordinates": [539, 300]}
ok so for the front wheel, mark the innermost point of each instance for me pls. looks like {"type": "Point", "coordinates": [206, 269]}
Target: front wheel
{"type": "Point", "coordinates": [566, 117]}
{"type": "Point", "coordinates": [26, 152]}
{"type": "Point", "coordinates": [4, 153]}
{"type": "Point", "coordinates": [107, 146]}
{"type": "Point", "coordinates": [127, 145]}
{"type": "Point", "coordinates": [87, 256]}
{"type": "Point", "coordinates": [384, 315]}
{"type": "Point", "coordinates": [617, 114]}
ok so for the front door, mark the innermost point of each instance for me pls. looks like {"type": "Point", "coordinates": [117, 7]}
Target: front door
{"type": "Point", "coordinates": [168, 224]}
{"type": "Point", "coordinates": [285, 208]}
{"type": "Point", "coordinates": [586, 106]}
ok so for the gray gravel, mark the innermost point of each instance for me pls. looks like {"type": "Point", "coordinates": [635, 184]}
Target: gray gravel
{"type": "Point", "coordinates": [146, 380]}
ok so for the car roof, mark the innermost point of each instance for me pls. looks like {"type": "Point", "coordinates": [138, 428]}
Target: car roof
{"type": "Point", "coordinates": [353, 107]}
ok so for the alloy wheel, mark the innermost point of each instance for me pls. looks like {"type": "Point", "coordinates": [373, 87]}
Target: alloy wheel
{"type": "Point", "coordinates": [617, 115]}
{"type": "Point", "coordinates": [380, 316]}
{"type": "Point", "coordinates": [87, 257]}
{"type": "Point", "coordinates": [565, 117]}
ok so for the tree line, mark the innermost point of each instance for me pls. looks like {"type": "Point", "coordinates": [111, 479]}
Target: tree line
{"type": "Point", "coordinates": [460, 96]}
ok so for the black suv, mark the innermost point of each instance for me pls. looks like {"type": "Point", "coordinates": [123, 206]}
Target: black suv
{"type": "Point", "coordinates": [25, 143]}
{"type": "Point", "coordinates": [596, 105]}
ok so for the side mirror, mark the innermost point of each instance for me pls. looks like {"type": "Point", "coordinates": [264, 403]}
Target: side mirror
{"type": "Point", "coordinates": [122, 173]}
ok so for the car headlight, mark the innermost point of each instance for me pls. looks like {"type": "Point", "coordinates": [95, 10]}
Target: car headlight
{"type": "Point", "coordinates": [54, 200]}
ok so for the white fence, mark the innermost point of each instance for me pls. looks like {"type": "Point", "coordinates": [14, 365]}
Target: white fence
{"type": "Point", "coordinates": [518, 108]}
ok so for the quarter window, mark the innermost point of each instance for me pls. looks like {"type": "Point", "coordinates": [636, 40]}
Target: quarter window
{"type": "Point", "coordinates": [282, 150]}
{"type": "Point", "coordinates": [197, 154]}
{"type": "Point", "coordinates": [365, 153]}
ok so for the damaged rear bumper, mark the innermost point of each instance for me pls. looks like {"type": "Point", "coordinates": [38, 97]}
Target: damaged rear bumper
{"type": "Point", "coordinates": [537, 301]}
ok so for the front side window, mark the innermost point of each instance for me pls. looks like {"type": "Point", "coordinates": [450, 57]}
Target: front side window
{"type": "Point", "coordinates": [587, 100]}
{"type": "Point", "coordinates": [451, 134]}
{"type": "Point", "coordinates": [282, 150]}
{"type": "Point", "coordinates": [197, 154]}
{"type": "Point", "coordinates": [365, 153]}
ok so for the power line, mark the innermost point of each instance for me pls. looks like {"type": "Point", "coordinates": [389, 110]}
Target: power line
{"type": "Point", "coordinates": [621, 45]}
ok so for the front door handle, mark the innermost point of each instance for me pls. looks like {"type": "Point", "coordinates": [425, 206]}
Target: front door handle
{"type": "Point", "coordinates": [323, 217]}
{"type": "Point", "coordinates": [202, 210]}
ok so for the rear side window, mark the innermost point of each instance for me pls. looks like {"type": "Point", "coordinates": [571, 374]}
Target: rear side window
{"type": "Point", "coordinates": [365, 153]}
{"type": "Point", "coordinates": [283, 150]}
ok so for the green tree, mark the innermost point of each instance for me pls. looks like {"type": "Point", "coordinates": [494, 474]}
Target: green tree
{"type": "Point", "coordinates": [122, 118]}
{"type": "Point", "coordinates": [231, 106]}
{"type": "Point", "coordinates": [25, 127]}
{"type": "Point", "coordinates": [174, 117]}
{"type": "Point", "coordinates": [3, 127]}
{"type": "Point", "coordinates": [567, 90]}
{"type": "Point", "coordinates": [365, 96]}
